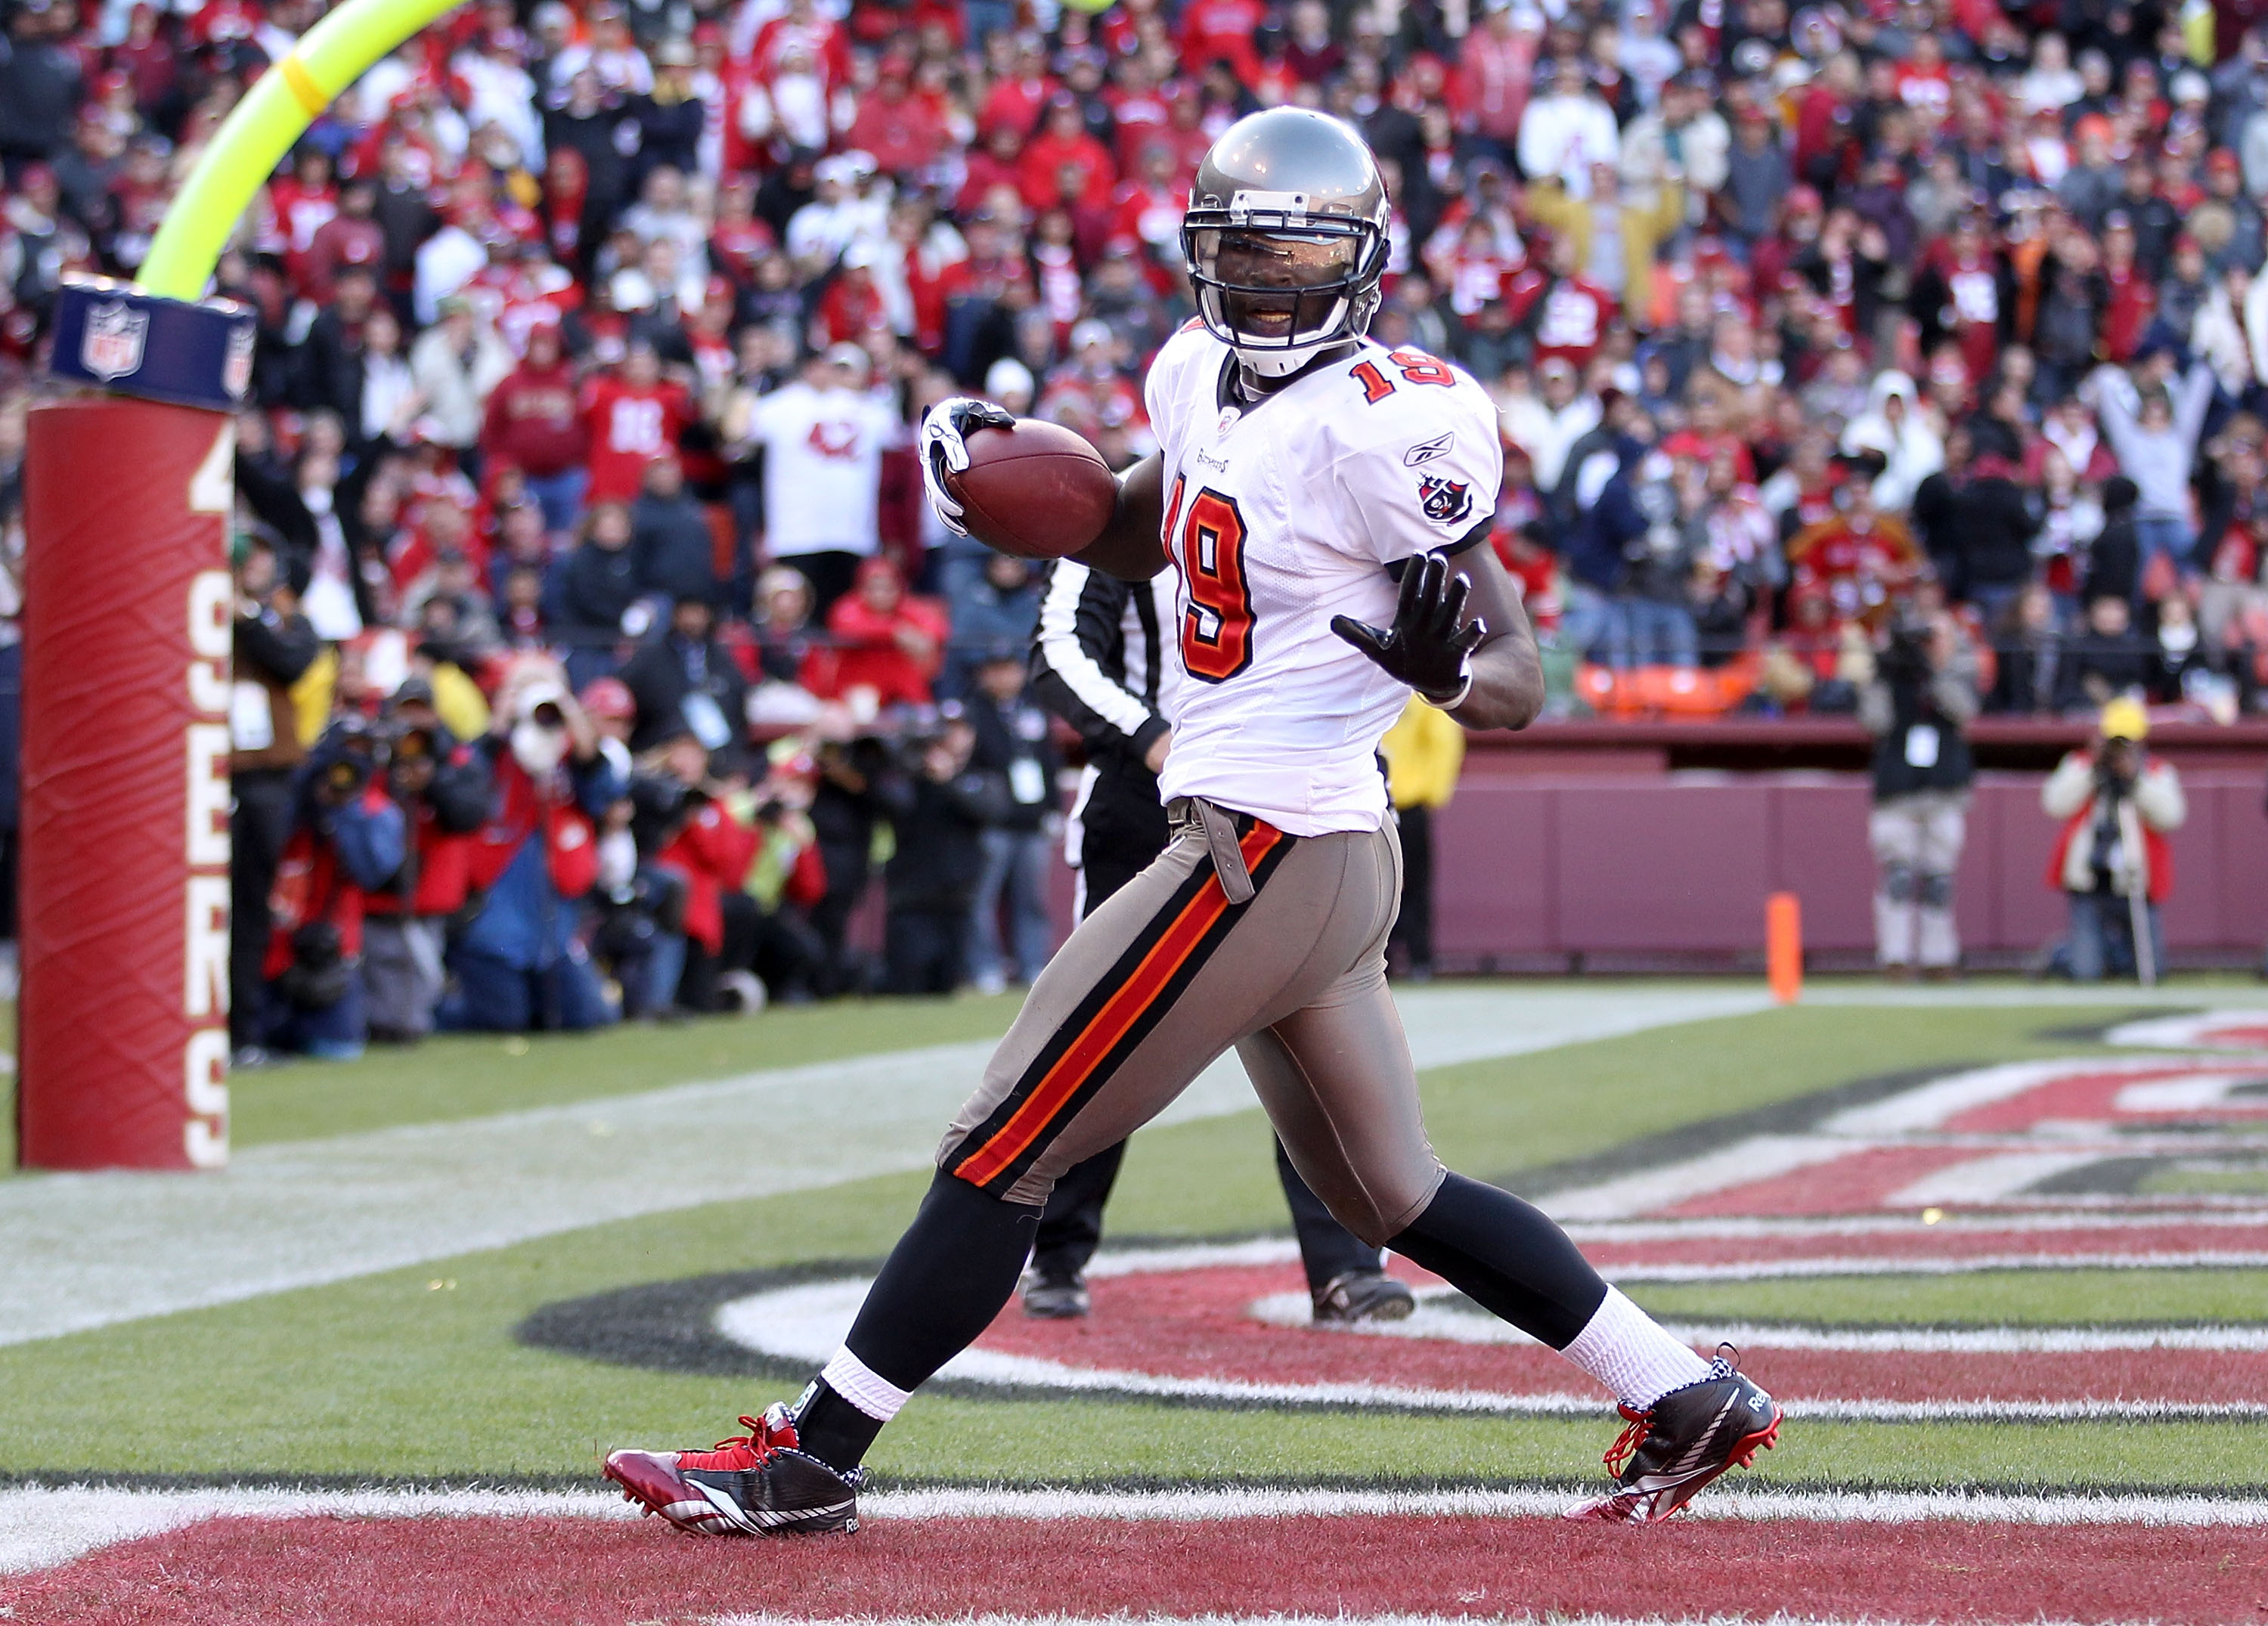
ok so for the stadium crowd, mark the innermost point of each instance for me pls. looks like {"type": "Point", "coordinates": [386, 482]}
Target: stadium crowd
{"type": "Point", "coordinates": [596, 648]}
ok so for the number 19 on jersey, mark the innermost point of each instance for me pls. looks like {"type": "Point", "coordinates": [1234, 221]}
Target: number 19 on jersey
{"type": "Point", "coordinates": [1207, 544]}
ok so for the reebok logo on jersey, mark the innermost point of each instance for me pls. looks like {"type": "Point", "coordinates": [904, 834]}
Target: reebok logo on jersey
{"type": "Point", "coordinates": [1426, 450]}
{"type": "Point", "coordinates": [1446, 501]}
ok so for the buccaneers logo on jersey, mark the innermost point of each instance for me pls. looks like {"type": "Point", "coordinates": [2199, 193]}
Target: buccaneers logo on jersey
{"type": "Point", "coordinates": [1446, 501]}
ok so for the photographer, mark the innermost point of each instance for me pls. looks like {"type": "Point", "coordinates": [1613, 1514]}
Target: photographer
{"type": "Point", "coordinates": [273, 648]}
{"type": "Point", "coordinates": [2112, 860]}
{"type": "Point", "coordinates": [940, 807]}
{"type": "Point", "coordinates": [346, 840]}
{"type": "Point", "coordinates": [1922, 695]}
{"type": "Point", "coordinates": [443, 792]}
{"type": "Point", "coordinates": [852, 762]}
{"type": "Point", "coordinates": [1012, 742]}
{"type": "Point", "coordinates": [699, 839]}
{"type": "Point", "coordinates": [519, 965]}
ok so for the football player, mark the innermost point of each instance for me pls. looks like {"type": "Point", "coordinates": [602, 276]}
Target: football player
{"type": "Point", "coordinates": [1323, 502]}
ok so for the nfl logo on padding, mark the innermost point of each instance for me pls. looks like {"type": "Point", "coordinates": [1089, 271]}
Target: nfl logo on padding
{"type": "Point", "coordinates": [111, 346]}
{"type": "Point", "coordinates": [236, 371]}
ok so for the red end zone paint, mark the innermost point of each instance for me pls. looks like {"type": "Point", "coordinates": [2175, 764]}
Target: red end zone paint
{"type": "Point", "coordinates": [1196, 1324]}
{"type": "Point", "coordinates": [566, 1573]}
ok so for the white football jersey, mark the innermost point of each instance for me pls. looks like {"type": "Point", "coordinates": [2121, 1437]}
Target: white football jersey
{"type": "Point", "coordinates": [1279, 516]}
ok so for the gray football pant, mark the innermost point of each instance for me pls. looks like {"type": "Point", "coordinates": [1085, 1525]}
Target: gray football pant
{"type": "Point", "coordinates": [1170, 973]}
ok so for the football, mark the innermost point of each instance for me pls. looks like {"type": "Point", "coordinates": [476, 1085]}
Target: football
{"type": "Point", "coordinates": [1037, 490]}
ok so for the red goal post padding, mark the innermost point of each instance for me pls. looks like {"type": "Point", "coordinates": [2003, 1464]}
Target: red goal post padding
{"type": "Point", "coordinates": [128, 612]}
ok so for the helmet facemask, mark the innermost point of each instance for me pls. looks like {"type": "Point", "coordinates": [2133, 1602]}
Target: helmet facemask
{"type": "Point", "coordinates": [1279, 285]}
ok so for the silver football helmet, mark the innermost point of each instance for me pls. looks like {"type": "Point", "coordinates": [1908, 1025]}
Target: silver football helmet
{"type": "Point", "coordinates": [1285, 236]}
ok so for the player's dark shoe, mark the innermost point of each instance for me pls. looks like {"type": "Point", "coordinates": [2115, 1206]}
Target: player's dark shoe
{"type": "Point", "coordinates": [1362, 1296]}
{"type": "Point", "coordinates": [1681, 1442]}
{"type": "Point", "coordinates": [1054, 1298]}
{"type": "Point", "coordinates": [755, 1483]}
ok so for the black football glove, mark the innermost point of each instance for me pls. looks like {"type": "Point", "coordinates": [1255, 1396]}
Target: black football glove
{"type": "Point", "coordinates": [943, 450]}
{"type": "Point", "coordinates": [1430, 645]}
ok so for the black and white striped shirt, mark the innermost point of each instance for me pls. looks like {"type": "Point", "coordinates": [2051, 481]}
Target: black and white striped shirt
{"type": "Point", "coordinates": [1100, 660]}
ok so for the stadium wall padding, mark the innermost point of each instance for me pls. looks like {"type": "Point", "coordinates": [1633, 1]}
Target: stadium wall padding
{"type": "Point", "coordinates": [1530, 868]}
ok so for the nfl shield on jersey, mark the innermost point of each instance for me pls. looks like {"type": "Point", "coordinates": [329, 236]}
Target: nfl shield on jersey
{"type": "Point", "coordinates": [1280, 515]}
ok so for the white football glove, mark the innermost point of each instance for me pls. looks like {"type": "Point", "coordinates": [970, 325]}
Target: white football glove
{"type": "Point", "coordinates": [943, 449]}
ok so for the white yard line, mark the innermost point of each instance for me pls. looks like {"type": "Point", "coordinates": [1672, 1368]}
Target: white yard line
{"type": "Point", "coordinates": [41, 1526]}
{"type": "Point", "coordinates": [90, 1250]}
{"type": "Point", "coordinates": [1435, 1321]}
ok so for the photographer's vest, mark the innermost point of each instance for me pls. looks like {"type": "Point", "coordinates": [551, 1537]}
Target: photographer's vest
{"type": "Point", "coordinates": [1922, 752]}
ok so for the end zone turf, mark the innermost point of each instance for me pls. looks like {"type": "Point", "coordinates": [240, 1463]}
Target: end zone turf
{"type": "Point", "coordinates": [480, 1559]}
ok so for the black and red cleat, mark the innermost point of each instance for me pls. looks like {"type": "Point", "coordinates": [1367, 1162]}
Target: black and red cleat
{"type": "Point", "coordinates": [755, 1483]}
{"type": "Point", "coordinates": [1681, 1442]}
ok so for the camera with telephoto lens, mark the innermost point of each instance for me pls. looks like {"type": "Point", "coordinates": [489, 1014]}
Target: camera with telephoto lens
{"type": "Point", "coordinates": [345, 758]}
{"type": "Point", "coordinates": [1905, 650]}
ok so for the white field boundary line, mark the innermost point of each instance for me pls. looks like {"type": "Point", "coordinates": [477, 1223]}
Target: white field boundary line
{"type": "Point", "coordinates": [1745, 1226]}
{"type": "Point", "coordinates": [1874, 1264]}
{"type": "Point", "coordinates": [807, 1321]}
{"type": "Point", "coordinates": [1435, 1321]}
{"type": "Point", "coordinates": [92, 1250]}
{"type": "Point", "coordinates": [41, 1526]}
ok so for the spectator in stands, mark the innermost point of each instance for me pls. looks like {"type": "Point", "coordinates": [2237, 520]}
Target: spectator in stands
{"type": "Point", "coordinates": [531, 422]}
{"type": "Point", "coordinates": [889, 644]}
{"type": "Point", "coordinates": [2112, 861]}
{"type": "Point", "coordinates": [633, 416]}
{"type": "Point", "coordinates": [670, 539]}
{"type": "Point", "coordinates": [1918, 705]}
{"type": "Point", "coordinates": [520, 964]}
{"type": "Point", "coordinates": [346, 841]}
{"type": "Point", "coordinates": [2108, 659]}
{"type": "Point", "coordinates": [823, 437]}
{"type": "Point", "coordinates": [1011, 743]}
{"type": "Point", "coordinates": [596, 598]}
{"type": "Point", "coordinates": [2155, 440]}
{"type": "Point", "coordinates": [1002, 607]}
{"type": "Point", "coordinates": [456, 364]}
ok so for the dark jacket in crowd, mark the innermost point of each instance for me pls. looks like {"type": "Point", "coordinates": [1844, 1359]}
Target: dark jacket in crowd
{"type": "Point", "coordinates": [2114, 559]}
{"type": "Point", "coordinates": [668, 671]}
{"type": "Point", "coordinates": [2122, 663]}
{"type": "Point", "coordinates": [595, 586]}
{"type": "Point", "coordinates": [676, 552]}
{"type": "Point", "coordinates": [1992, 530]}
{"type": "Point", "coordinates": [938, 824]}
{"type": "Point", "coordinates": [1013, 744]}
{"type": "Point", "coordinates": [39, 93]}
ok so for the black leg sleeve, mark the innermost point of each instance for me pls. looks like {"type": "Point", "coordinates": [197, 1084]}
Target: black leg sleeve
{"type": "Point", "coordinates": [940, 1287]}
{"type": "Point", "coordinates": [1507, 1257]}
{"type": "Point", "coordinates": [943, 1282]}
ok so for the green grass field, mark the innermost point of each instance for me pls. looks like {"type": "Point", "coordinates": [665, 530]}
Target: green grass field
{"type": "Point", "coordinates": [415, 1374]}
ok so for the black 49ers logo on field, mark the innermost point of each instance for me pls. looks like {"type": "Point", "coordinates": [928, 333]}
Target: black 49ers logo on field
{"type": "Point", "coordinates": [1208, 548]}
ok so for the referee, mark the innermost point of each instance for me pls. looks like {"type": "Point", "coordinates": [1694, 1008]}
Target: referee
{"type": "Point", "coordinates": [1099, 663]}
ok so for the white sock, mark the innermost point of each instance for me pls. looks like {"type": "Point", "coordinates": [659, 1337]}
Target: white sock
{"type": "Point", "coordinates": [855, 1381]}
{"type": "Point", "coordinates": [1626, 1349]}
